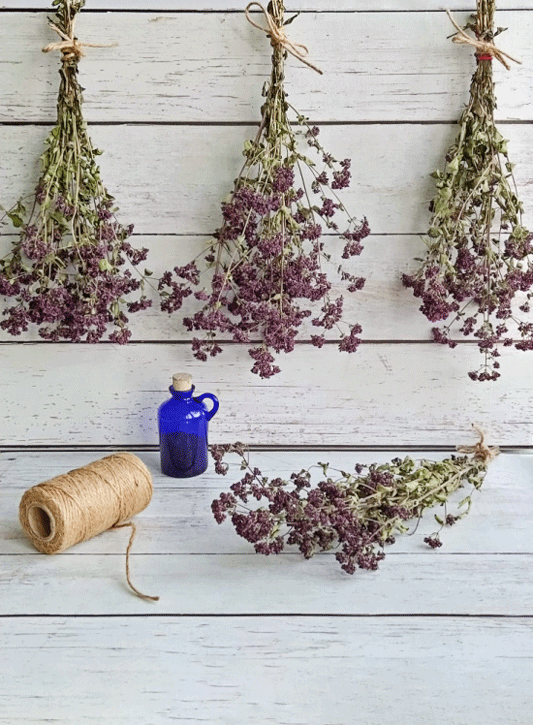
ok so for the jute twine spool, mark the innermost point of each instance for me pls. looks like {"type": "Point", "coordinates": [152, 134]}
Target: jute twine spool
{"type": "Point", "coordinates": [85, 502]}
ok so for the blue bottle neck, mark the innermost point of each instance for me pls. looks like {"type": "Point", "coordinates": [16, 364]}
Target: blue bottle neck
{"type": "Point", "coordinates": [182, 394]}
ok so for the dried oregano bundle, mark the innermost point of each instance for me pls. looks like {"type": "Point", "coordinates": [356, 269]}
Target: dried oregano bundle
{"type": "Point", "coordinates": [266, 258]}
{"type": "Point", "coordinates": [478, 251]}
{"type": "Point", "coordinates": [72, 268]}
{"type": "Point", "coordinates": [356, 513]}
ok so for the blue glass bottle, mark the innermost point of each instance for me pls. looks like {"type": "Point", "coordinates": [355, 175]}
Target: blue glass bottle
{"type": "Point", "coordinates": [182, 424]}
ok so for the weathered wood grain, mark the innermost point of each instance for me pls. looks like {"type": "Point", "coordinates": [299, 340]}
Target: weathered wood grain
{"type": "Point", "coordinates": [377, 67]}
{"type": "Point", "coordinates": [179, 518]}
{"type": "Point", "coordinates": [181, 174]}
{"type": "Point", "coordinates": [339, 668]}
{"type": "Point", "coordinates": [283, 670]}
{"type": "Point", "coordinates": [248, 584]}
{"type": "Point", "coordinates": [383, 394]}
{"type": "Point", "coordinates": [300, 5]}
{"type": "Point", "coordinates": [173, 180]}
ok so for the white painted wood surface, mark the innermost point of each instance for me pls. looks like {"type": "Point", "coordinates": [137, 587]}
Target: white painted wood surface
{"type": "Point", "coordinates": [380, 395]}
{"type": "Point", "coordinates": [283, 640]}
{"type": "Point", "coordinates": [299, 5]}
{"type": "Point", "coordinates": [181, 174]}
{"type": "Point", "coordinates": [385, 313]}
{"type": "Point", "coordinates": [440, 637]}
{"type": "Point", "coordinates": [174, 211]}
{"type": "Point", "coordinates": [266, 671]}
{"type": "Point", "coordinates": [246, 584]}
{"type": "Point", "coordinates": [425, 77]}
{"type": "Point", "coordinates": [180, 507]}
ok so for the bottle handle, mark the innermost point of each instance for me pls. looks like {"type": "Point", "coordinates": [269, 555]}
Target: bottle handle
{"type": "Point", "coordinates": [209, 413]}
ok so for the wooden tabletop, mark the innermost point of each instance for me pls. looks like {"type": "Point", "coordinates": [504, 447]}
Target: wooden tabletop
{"type": "Point", "coordinates": [431, 637]}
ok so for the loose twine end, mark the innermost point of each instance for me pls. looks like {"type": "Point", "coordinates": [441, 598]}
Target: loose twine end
{"type": "Point", "coordinates": [480, 451]}
{"type": "Point", "coordinates": [132, 537]}
{"type": "Point", "coordinates": [70, 46]}
{"type": "Point", "coordinates": [278, 36]}
{"type": "Point", "coordinates": [484, 49]}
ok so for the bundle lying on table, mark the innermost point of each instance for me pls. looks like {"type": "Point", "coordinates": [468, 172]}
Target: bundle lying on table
{"type": "Point", "coordinates": [357, 513]}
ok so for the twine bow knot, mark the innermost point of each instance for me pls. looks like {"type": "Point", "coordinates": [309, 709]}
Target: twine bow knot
{"type": "Point", "coordinates": [278, 36]}
{"type": "Point", "coordinates": [484, 49]}
{"type": "Point", "coordinates": [480, 450]}
{"type": "Point", "coordinates": [70, 46]}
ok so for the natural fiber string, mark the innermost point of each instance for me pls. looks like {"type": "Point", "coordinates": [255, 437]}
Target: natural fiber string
{"type": "Point", "coordinates": [480, 451]}
{"type": "Point", "coordinates": [85, 502]}
{"type": "Point", "coordinates": [132, 537]}
{"type": "Point", "coordinates": [485, 50]}
{"type": "Point", "coordinates": [70, 46]}
{"type": "Point", "coordinates": [278, 36]}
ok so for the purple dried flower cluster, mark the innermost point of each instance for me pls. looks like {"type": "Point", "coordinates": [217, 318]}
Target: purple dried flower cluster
{"type": "Point", "coordinates": [356, 513]}
{"type": "Point", "coordinates": [267, 257]}
{"type": "Point", "coordinates": [433, 541]}
{"type": "Point", "coordinates": [71, 271]}
{"type": "Point", "coordinates": [71, 291]}
{"type": "Point", "coordinates": [478, 260]}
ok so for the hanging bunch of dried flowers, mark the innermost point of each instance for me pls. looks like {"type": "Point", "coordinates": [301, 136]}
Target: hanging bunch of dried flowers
{"type": "Point", "coordinates": [478, 251]}
{"type": "Point", "coordinates": [357, 513]}
{"type": "Point", "coordinates": [266, 258]}
{"type": "Point", "coordinates": [72, 266]}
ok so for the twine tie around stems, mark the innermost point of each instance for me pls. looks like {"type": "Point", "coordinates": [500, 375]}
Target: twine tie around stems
{"type": "Point", "coordinates": [278, 36]}
{"type": "Point", "coordinates": [484, 49]}
{"type": "Point", "coordinates": [480, 450]}
{"type": "Point", "coordinates": [70, 46]}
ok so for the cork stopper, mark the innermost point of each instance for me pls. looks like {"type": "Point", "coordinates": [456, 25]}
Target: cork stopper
{"type": "Point", "coordinates": [181, 382]}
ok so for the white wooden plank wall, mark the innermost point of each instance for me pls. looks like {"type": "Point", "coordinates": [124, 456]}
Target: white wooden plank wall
{"type": "Point", "coordinates": [172, 105]}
